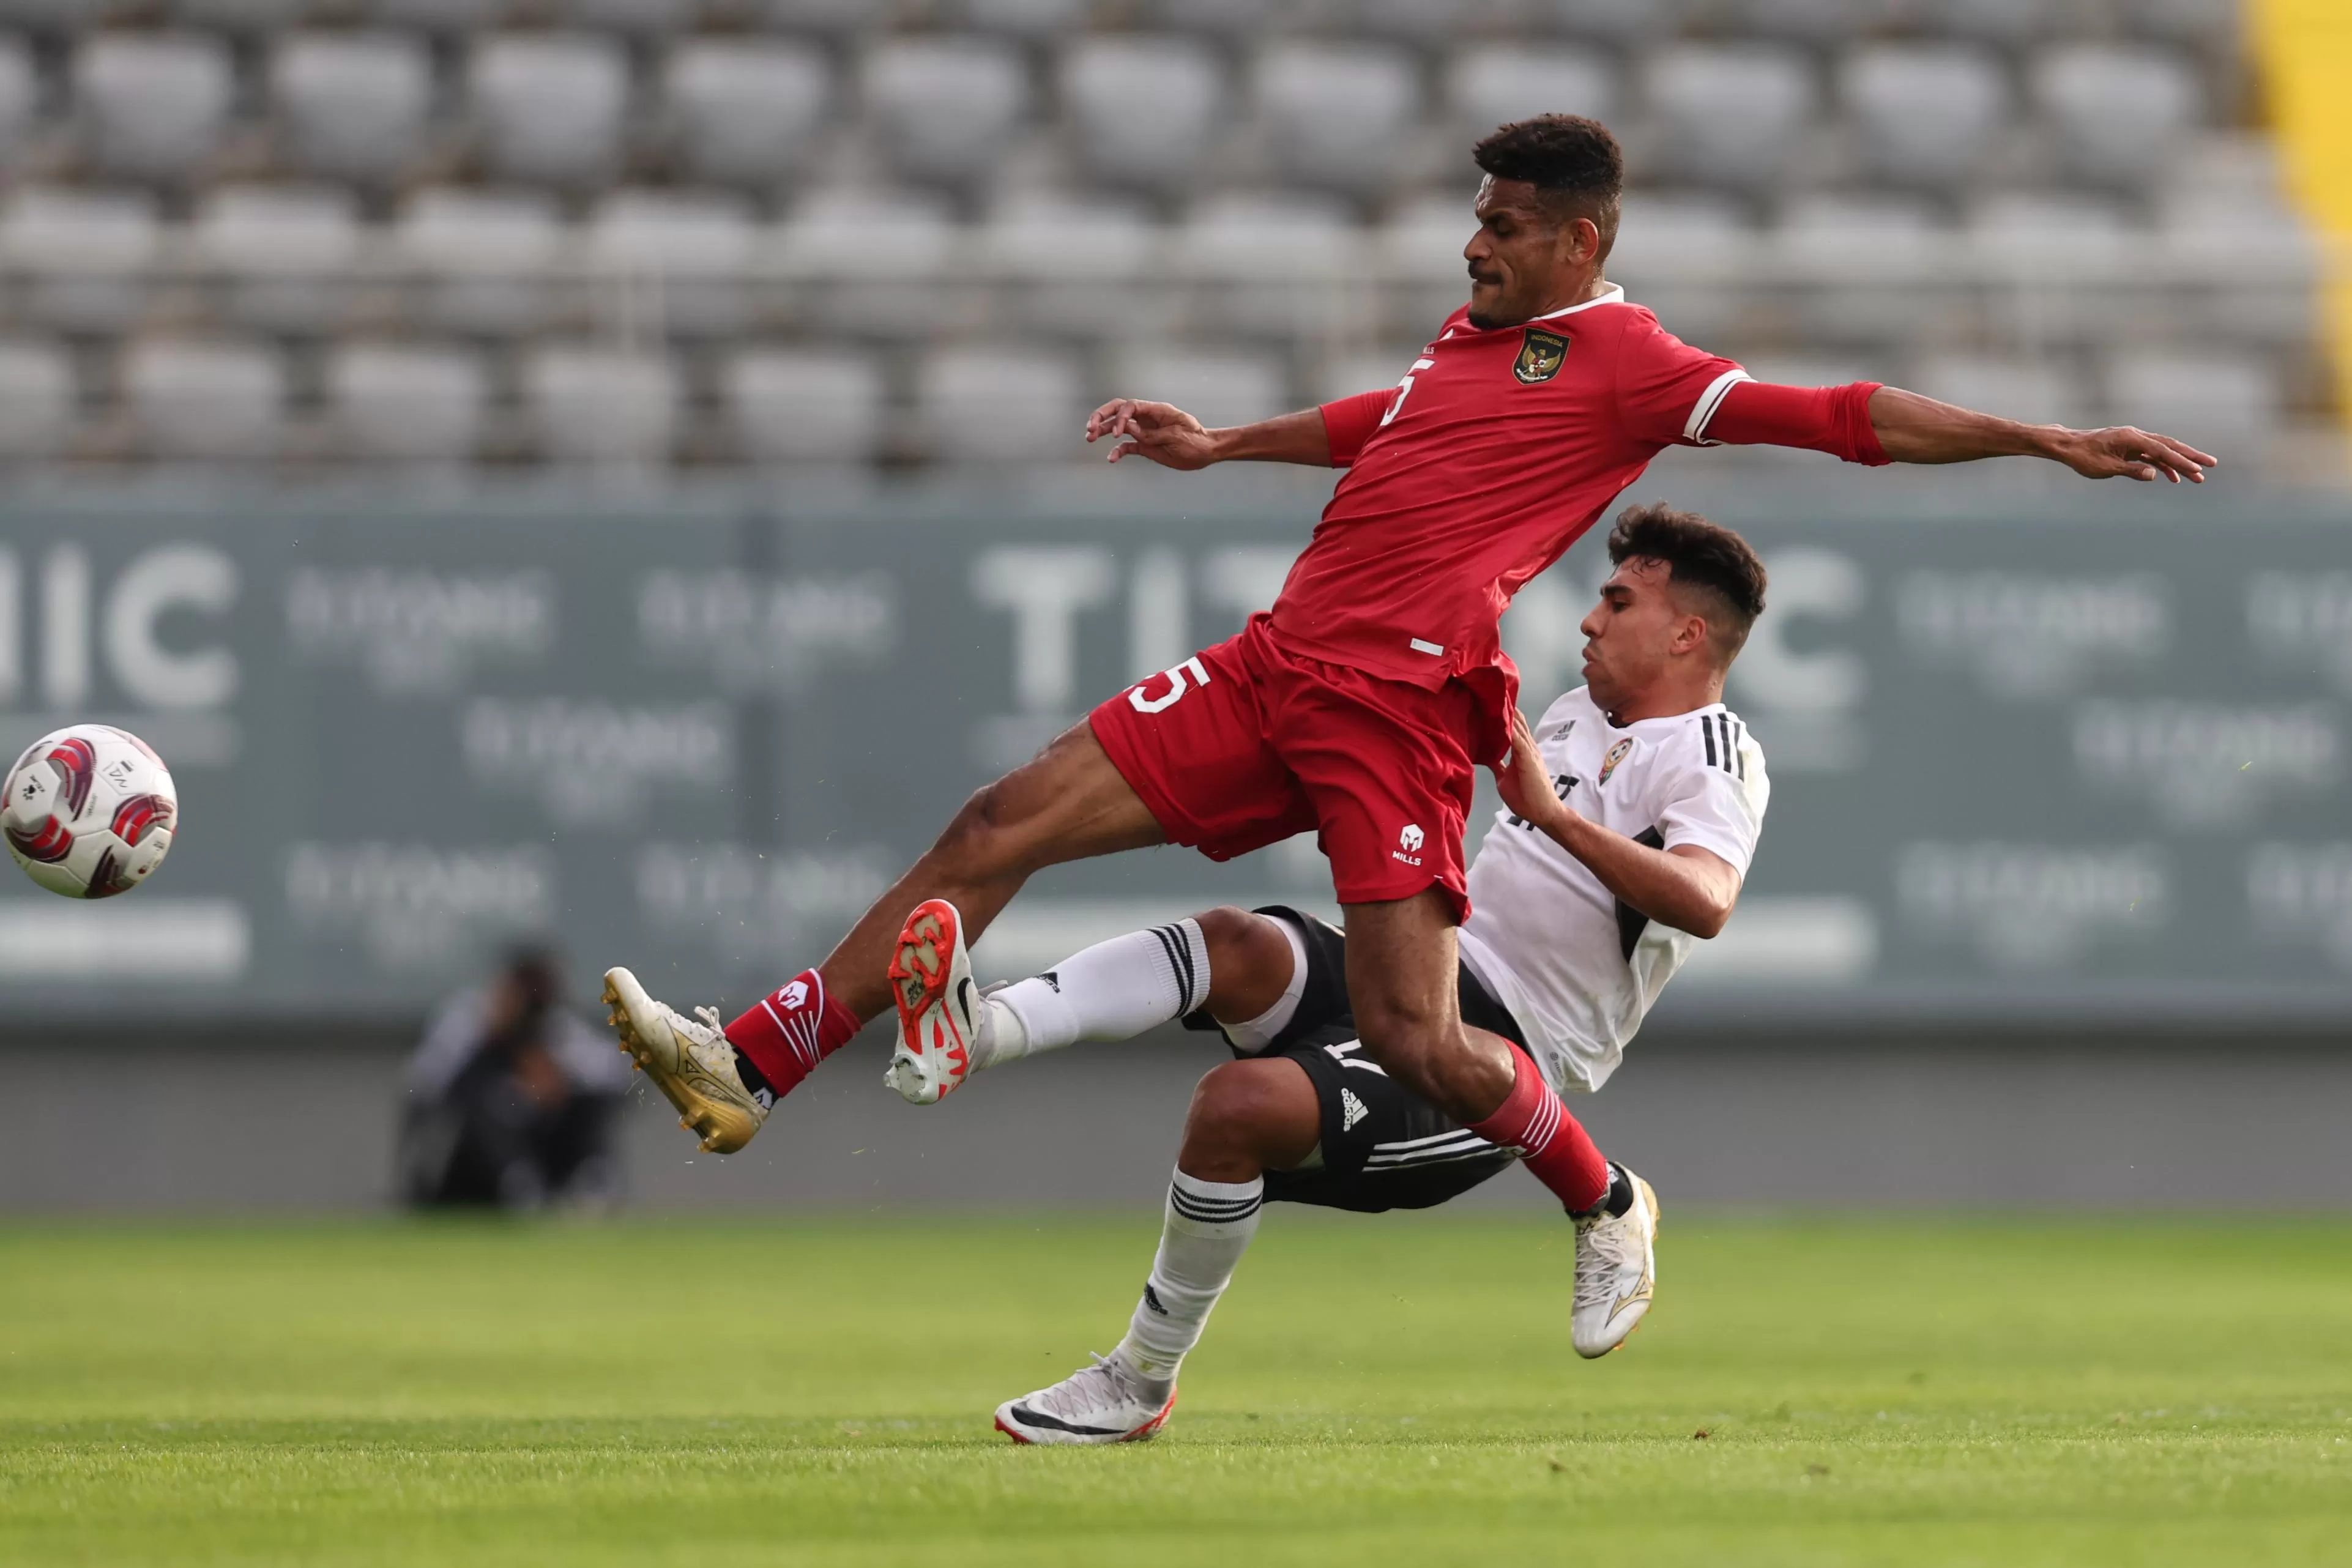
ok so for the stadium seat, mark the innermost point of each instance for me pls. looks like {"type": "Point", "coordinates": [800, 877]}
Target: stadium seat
{"type": "Point", "coordinates": [1420, 22]}
{"type": "Point", "coordinates": [1817, 21]}
{"type": "Point", "coordinates": [86, 255]}
{"type": "Point", "coordinates": [350, 106]}
{"type": "Point", "coordinates": [1662, 238]}
{"type": "Point", "coordinates": [600, 406]}
{"type": "Point", "coordinates": [20, 92]}
{"type": "Point", "coordinates": [2209, 400]}
{"type": "Point", "coordinates": [859, 250]}
{"type": "Point", "coordinates": [999, 405]}
{"type": "Point", "coordinates": [1363, 371]}
{"type": "Point", "coordinates": [1073, 266]}
{"type": "Point", "coordinates": [203, 401]}
{"type": "Point", "coordinates": [1271, 265]}
{"type": "Point", "coordinates": [803, 406]}
{"type": "Point", "coordinates": [408, 402]}
{"type": "Point", "coordinates": [153, 105]}
{"type": "Point", "coordinates": [37, 400]}
{"type": "Point", "coordinates": [945, 108]}
{"type": "Point", "coordinates": [1923, 114]}
{"type": "Point", "coordinates": [2118, 112]}
{"type": "Point", "coordinates": [284, 254]}
{"type": "Point", "coordinates": [1021, 18]}
{"type": "Point", "coordinates": [1728, 114]}
{"type": "Point", "coordinates": [744, 111]}
{"type": "Point", "coordinates": [1142, 110]}
{"type": "Point", "coordinates": [1218, 386]}
{"type": "Point", "coordinates": [480, 257]}
{"type": "Point", "coordinates": [241, 17]}
{"type": "Point", "coordinates": [50, 17]}
{"type": "Point", "coordinates": [2003, 21]}
{"type": "Point", "coordinates": [1842, 240]}
{"type": "Point", "coordinates": [439, 17]}
{"type": "Point", "coordinates": [2039, 391]}
{"type": "Point", "coordinates": [548, 106]}
{"type": "Point", "coordinates": [1617, 21]}
{"type": "Point", "coordinates": [2209, 26]}
{"type": "Point", "coordinates": [836, 18]}
{"type": "Point", "coordinates": [861, 231]}
{"type": "Point", "coordinates": [2042, 231]}
{"type": "Point", "coordinates": [1419, 246]}
{"type": "Point", "coordinates": [1489, 85]}
{"type": "Point", "coordinates": [1230, 19]}
{"type": "Point", "coordinates": [1336, 115]}
{"type": "Point", "coordinates": [631, 18]}
{"type": "Point", "coordinates": [685, 253]}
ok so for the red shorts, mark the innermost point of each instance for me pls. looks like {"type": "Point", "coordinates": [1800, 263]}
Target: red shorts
{"type": "Point", "coordinates": [1244, 744]}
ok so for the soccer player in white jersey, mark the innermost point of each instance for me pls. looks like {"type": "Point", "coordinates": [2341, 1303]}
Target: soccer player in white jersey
{"type": "Point", "coordinates": [1633, 808]}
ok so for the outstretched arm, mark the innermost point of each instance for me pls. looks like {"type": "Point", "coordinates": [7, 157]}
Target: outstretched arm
{"type": "Point", "coordinates": [1915, 429]}
{"type": "Point", "coordinates": [1866, 422]}
{"type": "Point", "coordinates": [1686, 887]}
{"type": "Point", "coordinates": [1174, 439]}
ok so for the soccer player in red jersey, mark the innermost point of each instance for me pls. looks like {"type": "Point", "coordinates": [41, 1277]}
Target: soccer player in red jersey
{"type": "Point", "coordinates": [1361, 704]}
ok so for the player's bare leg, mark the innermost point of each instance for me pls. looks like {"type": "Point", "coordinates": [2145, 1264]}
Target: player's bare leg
{"type": "Point", "coordinates": [1402, 966]}
{"type": "Point", "coordinates": [1067, 803]}
{"type": "Point", "coordinates": [1402, 977]}
{"type": "Point", "coordinates": [1402, 958]}
{"type": "Point", "coordinates": [1247, 1117]}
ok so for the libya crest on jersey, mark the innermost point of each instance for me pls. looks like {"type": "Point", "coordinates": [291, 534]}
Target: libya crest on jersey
{"type": "Point", "coordinates": [1541, 354]}
{"type": "Point", "coordinates": [1616, 755]}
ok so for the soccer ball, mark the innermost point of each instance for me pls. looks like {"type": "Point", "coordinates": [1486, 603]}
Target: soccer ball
{"type": "Point", "coordinates": [90, 811]}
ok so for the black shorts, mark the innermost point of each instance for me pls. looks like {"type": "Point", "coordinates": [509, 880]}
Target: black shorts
{"type": "Point", "coordinates": [1383, 1147]}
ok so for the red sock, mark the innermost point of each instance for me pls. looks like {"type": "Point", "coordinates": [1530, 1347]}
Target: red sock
{"type": "Point", "coordinates": [792, 1029]}
{"type": "Point", "coordinates": [1551, 1142]}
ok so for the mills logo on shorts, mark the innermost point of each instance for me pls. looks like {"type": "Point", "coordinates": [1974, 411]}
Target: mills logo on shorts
{"type": "Point", "coordinates": [1409, 840]}
{"type": "Point", "coordinates": [1616, 755]}
{"type": "Point", "coordinates": [1541, 354]}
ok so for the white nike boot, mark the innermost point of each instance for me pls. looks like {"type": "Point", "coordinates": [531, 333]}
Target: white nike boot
{"type": "Point", "coordinates": [942, 1016]}
{"type": "Point", "coordinates": [1616, 1272]}
{"type": "Point", "coordinates": [1108, 1402]}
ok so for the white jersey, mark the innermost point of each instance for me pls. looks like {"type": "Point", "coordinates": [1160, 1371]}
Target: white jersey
{"type": "Point", "coordinates": [1578, 969]}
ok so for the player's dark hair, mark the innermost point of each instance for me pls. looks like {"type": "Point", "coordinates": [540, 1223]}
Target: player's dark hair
{"type": "Point", "coordinates": [1574, 162]}
{"type": "Point", "coordinates": [1702, 555]}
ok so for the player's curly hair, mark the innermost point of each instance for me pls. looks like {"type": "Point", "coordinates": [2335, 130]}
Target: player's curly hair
{"type": "Point", "coordinates": [1700, 555]}
{"type": "Point", "coordinates": [1573, 160]}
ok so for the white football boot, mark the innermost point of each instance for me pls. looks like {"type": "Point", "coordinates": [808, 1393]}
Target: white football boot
{"type": "Point", "coordinates": [690, 1062]}
{"type": "Point", "coordinates": [1616, 1273]}
{"type": "Point", "coordinates": [1104, 1403]}
{"type": "Point", "coordinates": [940, 1010]}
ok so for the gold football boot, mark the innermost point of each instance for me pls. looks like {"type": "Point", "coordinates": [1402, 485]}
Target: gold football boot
{"type": "Point", "coordinates": [689, 1061]}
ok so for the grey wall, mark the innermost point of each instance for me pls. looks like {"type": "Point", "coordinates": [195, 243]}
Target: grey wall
{"type": "Point", "coordinates": [2193, 1121]}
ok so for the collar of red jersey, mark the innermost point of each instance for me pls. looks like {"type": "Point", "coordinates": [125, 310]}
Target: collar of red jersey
{"type": "Point", "coordinates": [1613, 295]}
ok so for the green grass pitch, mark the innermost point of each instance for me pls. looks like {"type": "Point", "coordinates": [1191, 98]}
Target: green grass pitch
{"type": "Point", "coordinates": [1909, 1390]}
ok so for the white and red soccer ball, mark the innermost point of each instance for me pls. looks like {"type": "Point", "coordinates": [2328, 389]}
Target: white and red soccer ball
{"type": "Point", "coordinates": [90, 811]}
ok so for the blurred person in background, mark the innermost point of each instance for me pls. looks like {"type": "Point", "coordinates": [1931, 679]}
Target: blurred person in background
{"type": "Point", "coordinates": [511, 1099]}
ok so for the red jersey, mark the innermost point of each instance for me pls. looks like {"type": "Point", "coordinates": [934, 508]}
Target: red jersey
{"type": "Point", "coordinates": [1492, 456]}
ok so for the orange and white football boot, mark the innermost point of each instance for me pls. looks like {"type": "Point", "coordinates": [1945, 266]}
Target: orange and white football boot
{"type": "Point", "coordinates": [940, 1010]}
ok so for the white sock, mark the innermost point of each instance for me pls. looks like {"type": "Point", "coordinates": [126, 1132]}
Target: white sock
{"type": "Point", "coordinates": [1258, 1033]}
{"type": "Point", "coordinates": [1208, 1228]}
{"type": "Point", "coordinates": [1112, 990]}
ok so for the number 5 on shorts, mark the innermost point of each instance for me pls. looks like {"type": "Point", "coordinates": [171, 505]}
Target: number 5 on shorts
{"type": "Point", "coordinates": [1177, 687]}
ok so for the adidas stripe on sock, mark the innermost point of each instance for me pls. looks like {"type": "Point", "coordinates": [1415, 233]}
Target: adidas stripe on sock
{"type": "Point", "coordinates": [1207, 1226]}
{"type": "Point", "coordinates": [1112, 990]}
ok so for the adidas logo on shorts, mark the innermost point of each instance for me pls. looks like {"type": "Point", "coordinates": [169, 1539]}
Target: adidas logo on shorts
{"type": "Point", "coordinates": [1352, 1110]}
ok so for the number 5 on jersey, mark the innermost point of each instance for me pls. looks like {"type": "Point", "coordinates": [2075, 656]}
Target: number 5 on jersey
{"type": "Point", "coordinates": [1177, 686]}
